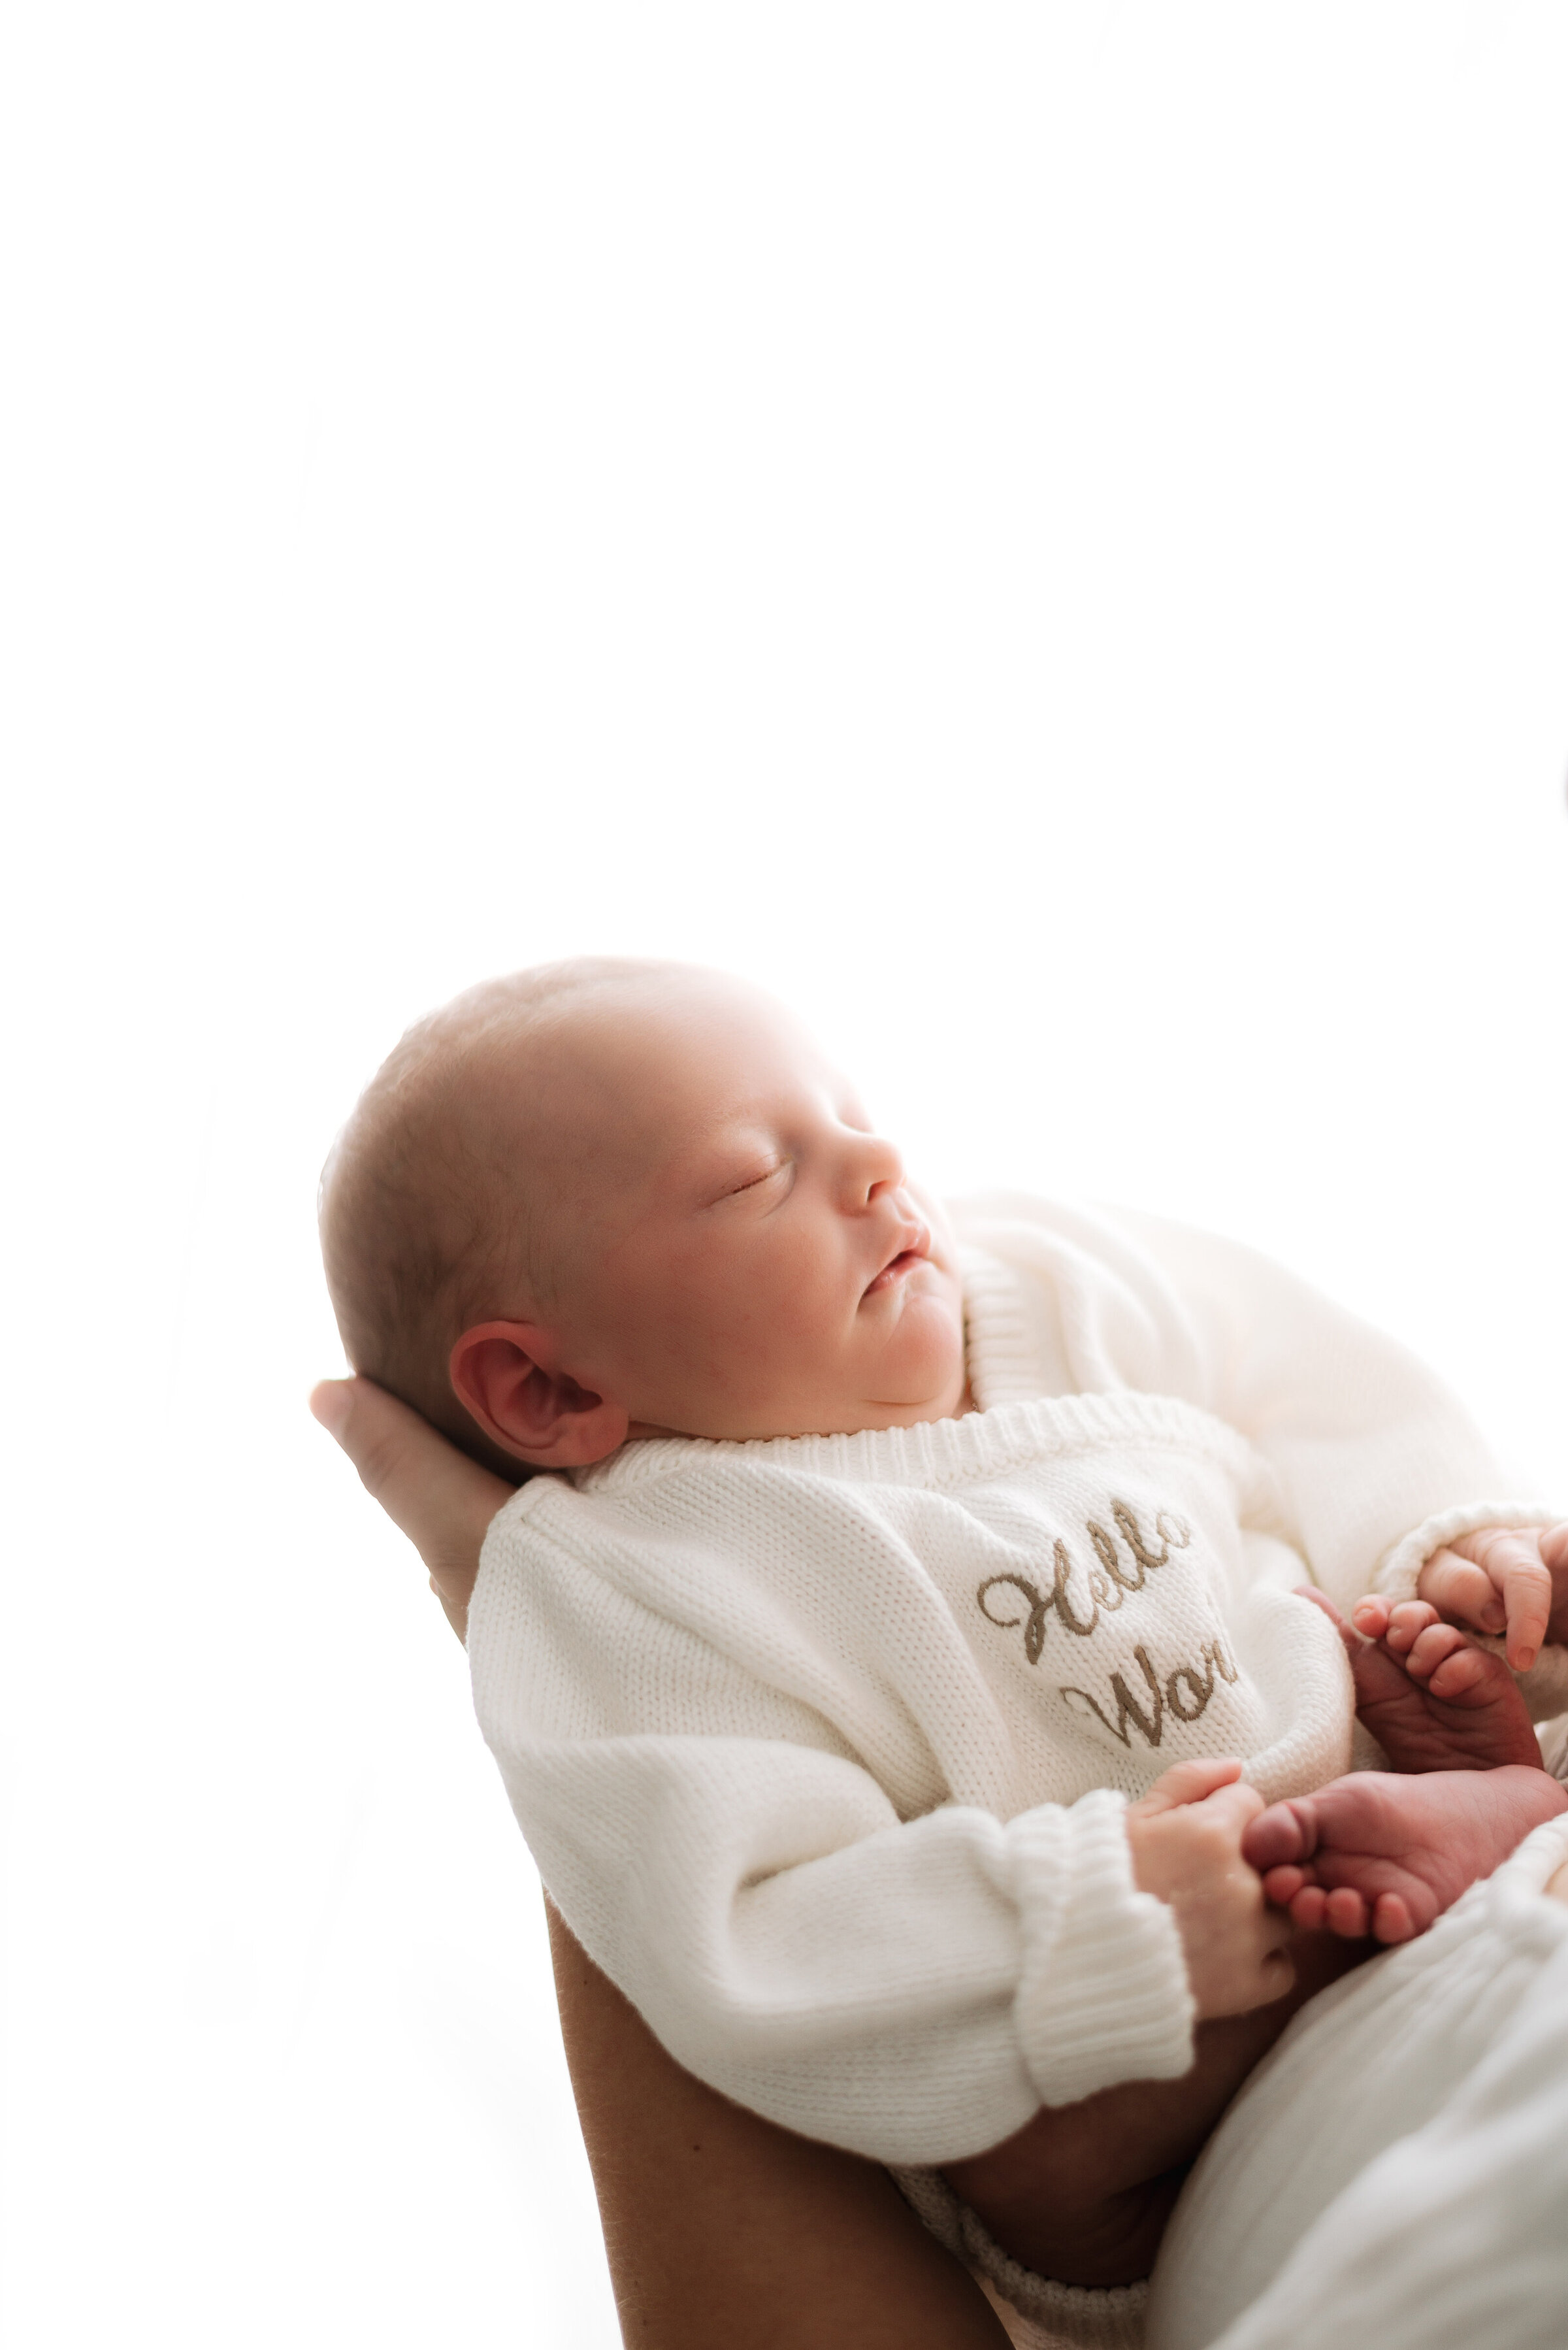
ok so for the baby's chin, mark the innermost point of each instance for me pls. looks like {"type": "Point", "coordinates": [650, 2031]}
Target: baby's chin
{"type": "Point", "coordinates": [920, 1374]}
{"type": "Point", "coordinates": [920, 1379]}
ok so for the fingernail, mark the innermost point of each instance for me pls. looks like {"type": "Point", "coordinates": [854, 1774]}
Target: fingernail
{"type": "Point", "coordinates": [329, 1404]}
{"type": "Point", "coordinates": [1526, 1659]}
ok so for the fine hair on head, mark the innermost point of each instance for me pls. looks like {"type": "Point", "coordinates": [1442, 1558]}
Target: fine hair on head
{"type": "Point", "coordinates": [430, 1204]}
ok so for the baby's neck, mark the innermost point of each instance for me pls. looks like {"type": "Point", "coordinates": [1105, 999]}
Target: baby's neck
{"type": "Point", "coordinates": [642, 1431]}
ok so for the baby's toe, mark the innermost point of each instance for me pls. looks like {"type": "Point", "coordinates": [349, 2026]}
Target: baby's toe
{"type": "Point", "coordinates": [1407, 1623]}
{"type": "Point", "coordinates": [1285, 1831]}
{"type": "Point", "coordinates": [1432, 1647]}
{"type": "Point", "coordinates": [1281, 1886]}
{"type": "Point", "coordinates": [1391, 1920]}
{"type": "Point", "coordinates": [1344, 1913]}
{"type": "Point", "coordinates": [1370, 1615]}
{"type": "Point", "coordinates": [1467, 1672]}
{"type": "Point", "coordinates": [1307, 1908]}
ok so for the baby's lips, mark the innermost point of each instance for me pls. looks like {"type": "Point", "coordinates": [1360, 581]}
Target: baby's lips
{"type": "Point", "coordinates": [914, 1240]}
{"type": "Point", "coordinates": [917, 1241]}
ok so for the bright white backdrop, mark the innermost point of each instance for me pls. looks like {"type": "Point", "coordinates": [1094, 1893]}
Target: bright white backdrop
{"type": "Point", "coordinates": [1036, 530]}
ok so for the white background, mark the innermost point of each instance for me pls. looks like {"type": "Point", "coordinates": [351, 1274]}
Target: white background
{"type": "Point", "coordinates": [1038, 531]}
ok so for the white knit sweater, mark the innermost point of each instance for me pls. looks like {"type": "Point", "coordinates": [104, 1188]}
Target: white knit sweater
{"type": "Point", "coordinates": [822, 1744]}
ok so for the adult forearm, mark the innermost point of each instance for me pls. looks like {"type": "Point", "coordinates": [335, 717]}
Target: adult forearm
{"type": "Point", "coordinates": [1083, 2192]}
{"type": "Point", "coordinates": [721, 2228]}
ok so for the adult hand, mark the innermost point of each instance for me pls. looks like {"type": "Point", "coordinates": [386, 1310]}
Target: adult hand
{"type": "Point", "coordinates": [443, 1500]}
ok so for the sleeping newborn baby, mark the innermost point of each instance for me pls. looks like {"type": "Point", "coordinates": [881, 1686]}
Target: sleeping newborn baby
{"type": "Point", "coordinates": [899, 1671]}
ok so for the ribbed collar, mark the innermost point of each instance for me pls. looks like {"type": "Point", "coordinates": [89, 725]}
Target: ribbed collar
{"type": "Point", "coordinates": [1000, 1349]}
{"type": "Point", "coordinates": [982, 1445]}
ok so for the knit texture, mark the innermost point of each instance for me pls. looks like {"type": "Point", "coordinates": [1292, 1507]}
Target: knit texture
{"type": "Point", "coordinates": [822, 1744]}
{"type": "Point", "coordinates": [1055, 2316]}
{"type": "Point", "coordinates": [1399, 1573]}
{"type": "Point", "coordinates": [1352, 2138]}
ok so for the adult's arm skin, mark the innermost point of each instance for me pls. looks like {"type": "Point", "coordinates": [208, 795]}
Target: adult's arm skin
{"type": "Point", "coordinates": [719, 2227]}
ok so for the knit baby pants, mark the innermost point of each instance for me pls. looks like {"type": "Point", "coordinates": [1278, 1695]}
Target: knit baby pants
{"type": "Point", "coordinates": [1394, 2172]}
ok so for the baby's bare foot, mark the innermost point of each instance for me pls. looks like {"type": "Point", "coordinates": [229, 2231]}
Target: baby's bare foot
{"type": "Point", "coordinates": [1433, 1701]}
{"type": "Point", "coordinates": [1383, 1852]}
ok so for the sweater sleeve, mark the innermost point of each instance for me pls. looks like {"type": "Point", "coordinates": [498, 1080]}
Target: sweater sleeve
{"type": "Point", "coordinates": [1377, 1463]}
{"type": "Point", "coordinates": [913, 1989]}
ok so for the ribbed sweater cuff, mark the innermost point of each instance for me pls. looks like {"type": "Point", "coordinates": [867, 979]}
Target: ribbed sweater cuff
{"type": "Point", "coordinates": [1103, 1994]}
{"type": "Point", "coordinates": [1399, 1570]}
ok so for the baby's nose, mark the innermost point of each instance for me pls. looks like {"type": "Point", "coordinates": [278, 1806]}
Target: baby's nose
{"type": "Point", "coordinates": [880, 1167]}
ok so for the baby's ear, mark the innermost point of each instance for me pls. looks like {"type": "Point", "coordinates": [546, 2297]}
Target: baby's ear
{"type": "Point", "coordinates": [543, 1417]}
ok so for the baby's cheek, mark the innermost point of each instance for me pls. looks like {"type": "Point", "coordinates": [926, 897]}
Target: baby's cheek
{"type": "Point", "coordinates": [777, 1336]}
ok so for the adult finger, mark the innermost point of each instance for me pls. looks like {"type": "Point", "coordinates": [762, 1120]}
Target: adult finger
{"type": "Point", "coordinates": [1461, 1587]}
{"type": "Point", "coordinates": [443, 1500]}
{"type": "Point", "coordinates": [1512, 1560]}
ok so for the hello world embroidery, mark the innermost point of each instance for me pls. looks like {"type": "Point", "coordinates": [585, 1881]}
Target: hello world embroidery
{"type": "Point", "coordinates": [1185, 1692]}
{"type": "Point", "coordinates": [1108, 1582]}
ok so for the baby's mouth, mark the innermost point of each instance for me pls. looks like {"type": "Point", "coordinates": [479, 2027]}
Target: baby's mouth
{"type": "Point", "coordinates": [915, 1250]}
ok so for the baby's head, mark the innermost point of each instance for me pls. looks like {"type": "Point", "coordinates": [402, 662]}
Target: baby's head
{"type": "Point", "coordinates": [605, 1199]}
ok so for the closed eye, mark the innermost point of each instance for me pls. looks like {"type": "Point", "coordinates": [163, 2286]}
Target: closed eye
{"type": "Point", "coordinates": [755, 1182]}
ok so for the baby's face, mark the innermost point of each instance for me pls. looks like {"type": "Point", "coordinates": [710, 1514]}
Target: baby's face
{"type": "Point", "coordinates": [738, 1254]}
